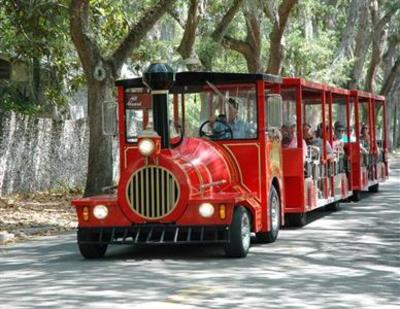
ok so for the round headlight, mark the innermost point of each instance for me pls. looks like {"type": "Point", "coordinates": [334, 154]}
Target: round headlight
{"type": "Point", "coordinates": [146, 147]}
{"type": "Point", "coordinates": [206, 210]}
{"type": "Point", "coordinates": [100, 211]}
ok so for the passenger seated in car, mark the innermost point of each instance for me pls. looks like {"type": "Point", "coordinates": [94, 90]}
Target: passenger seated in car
{"type": "Point", "coordinates": [318, 142]}
{"type": "Point", "coordinates": [289, 138]}
{"type": "Point", "coordinates": [364, 136]}
{"type": "Point", "coordinates": [339, 134]}
{"type": "Point", "coordinates": [308, 133]}
{"type": "Point", "coordinates": [315, 139]}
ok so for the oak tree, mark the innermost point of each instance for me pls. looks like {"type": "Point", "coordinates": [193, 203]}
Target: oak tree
{"type": "Point", "coordinates": [101, 69]}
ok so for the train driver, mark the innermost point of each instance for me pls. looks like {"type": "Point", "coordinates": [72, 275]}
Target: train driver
{"type": "Point", "coordinates": [240, 128]}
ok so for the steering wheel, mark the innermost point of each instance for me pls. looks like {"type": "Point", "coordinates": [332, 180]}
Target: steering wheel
{"type": "Point", "coordinates": [216, 134]}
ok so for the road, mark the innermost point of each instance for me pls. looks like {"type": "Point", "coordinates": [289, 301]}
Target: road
{"type": "Point", "coordinates": [346, 259]}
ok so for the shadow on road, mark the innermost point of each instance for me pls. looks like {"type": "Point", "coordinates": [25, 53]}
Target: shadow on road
{"type": "Point", "coordinates": [344, 259]}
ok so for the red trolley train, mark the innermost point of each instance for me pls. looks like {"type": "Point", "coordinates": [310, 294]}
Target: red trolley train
{"type": "Point", "coordinates": [210, 158]}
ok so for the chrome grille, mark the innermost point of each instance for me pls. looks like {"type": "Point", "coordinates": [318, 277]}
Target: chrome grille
{"type": "Point", "coordinates": [152, 192]}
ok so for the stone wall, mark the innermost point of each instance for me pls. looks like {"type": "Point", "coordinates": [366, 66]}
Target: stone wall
{"type": "Point", "coordinates": [40, 153]}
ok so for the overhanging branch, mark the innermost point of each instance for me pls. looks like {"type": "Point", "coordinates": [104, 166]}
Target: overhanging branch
{"type": "Point", "coordinates": [79, 28]}
{"type": "Point", "coordinates": [220, 30]}
{"type": "Point", "coordinates": [138, 32]}
{"type": "Point", "coordinates": [236, 45]}
{"type": "Point", "coordinates": [390, 80]}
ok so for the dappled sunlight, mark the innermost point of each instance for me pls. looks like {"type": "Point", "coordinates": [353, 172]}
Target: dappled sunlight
{"type": "Point", "coordinates": [344, 259]}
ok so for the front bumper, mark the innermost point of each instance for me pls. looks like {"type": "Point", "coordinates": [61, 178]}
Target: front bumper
{"type": "Point", "coordinates": [155, 234]}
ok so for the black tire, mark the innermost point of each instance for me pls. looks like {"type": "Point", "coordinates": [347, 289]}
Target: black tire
{"type": "Point", "coordinates": [239, 236]}
{"type": "Point", "coordinates": [90, 251]}
{"type": "Point", "coordinates": [298, 219]}
{"type": "Point", "coordinates": [335, 206]}
{"type": "Point", "coordinates": [374, 188]}
{"type": "Point", "coordinates": [356, 197]}
{"type": "Point", "coordinates": [274, 209]}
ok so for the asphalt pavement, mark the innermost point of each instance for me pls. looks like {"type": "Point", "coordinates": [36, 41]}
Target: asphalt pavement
{"type": "Point", "coordinates": [344, 259]}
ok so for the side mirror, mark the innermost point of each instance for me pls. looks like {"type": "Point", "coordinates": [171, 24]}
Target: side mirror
{"type": "Point", "coordinates": [109, 111]}
{"type": "Point", "coordinates": [274, 111]}
{"type": "Point", "coordinates": [274, 114]}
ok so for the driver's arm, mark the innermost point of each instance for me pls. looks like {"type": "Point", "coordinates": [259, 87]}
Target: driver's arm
{"type": "Point", "coordinates": [212, 119]}
{"type": "Point", "coordinates": [217, 127]}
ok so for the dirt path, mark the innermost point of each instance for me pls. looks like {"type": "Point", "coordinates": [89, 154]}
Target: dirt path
{"type": "Point", "coordinates": [25, 216]}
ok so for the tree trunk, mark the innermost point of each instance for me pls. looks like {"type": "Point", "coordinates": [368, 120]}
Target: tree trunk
{"type": "Point", "coordinates": [391, 72]}
{"type": "Point", "coordinates": [253, 64]}
{"type": "Point", "coordinates": [251, 48]}
{"type": "Point", "coordinates": [344, 50]}
{"type": "Point", "coordinates": [397, 124]}
{"type": "Point", "coordinates": [391, 78]}
{"type": "Point", "coordinates": [393, 115]}
{"type": "Point", "coordinates": [253, 26]}
{"type": "Point", "coordinates": [100, 165]}
{"type": "Point", "coordinates": [100, 74]}
{"type": "Point", "coordinates": [243, 48]}
{"type": "Point", "coordinates": [217, 35]}
{"type": "Point", "coordinates": [394, 121]}
{"type": "Point", "coordinates": [376, 57]}
{"type": "Point", "coordinates": [394, 129]}
{"type": "Point", "coordinates": [363, 39]}
{"type": "Point", "coordinates": [186, 47]}
{"type": "Point", "coordinates": [390, 54]}
{"type": "Point", "coordinates": [379, 36]}
{"type": "Point", "coordinates": [221, 28]}
{"type": "Point", "coordinates": [276, 35]}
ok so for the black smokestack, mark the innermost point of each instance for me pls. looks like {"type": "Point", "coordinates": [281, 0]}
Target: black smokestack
{"type": "Point", "coordinates": [159, 77]}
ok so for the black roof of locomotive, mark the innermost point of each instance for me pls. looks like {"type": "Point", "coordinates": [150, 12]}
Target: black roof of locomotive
{"type": "Point", "coordinates": [200, 78]}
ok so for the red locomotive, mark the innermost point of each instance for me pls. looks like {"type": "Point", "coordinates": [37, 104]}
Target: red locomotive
{"type": "Point", "coordinates": [204, 158]}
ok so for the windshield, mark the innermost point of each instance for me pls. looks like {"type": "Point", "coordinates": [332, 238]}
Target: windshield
{"type": "Point", "coordinates": [222, 112]}
{"type": "Point", "coordinates": [216, 112]}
